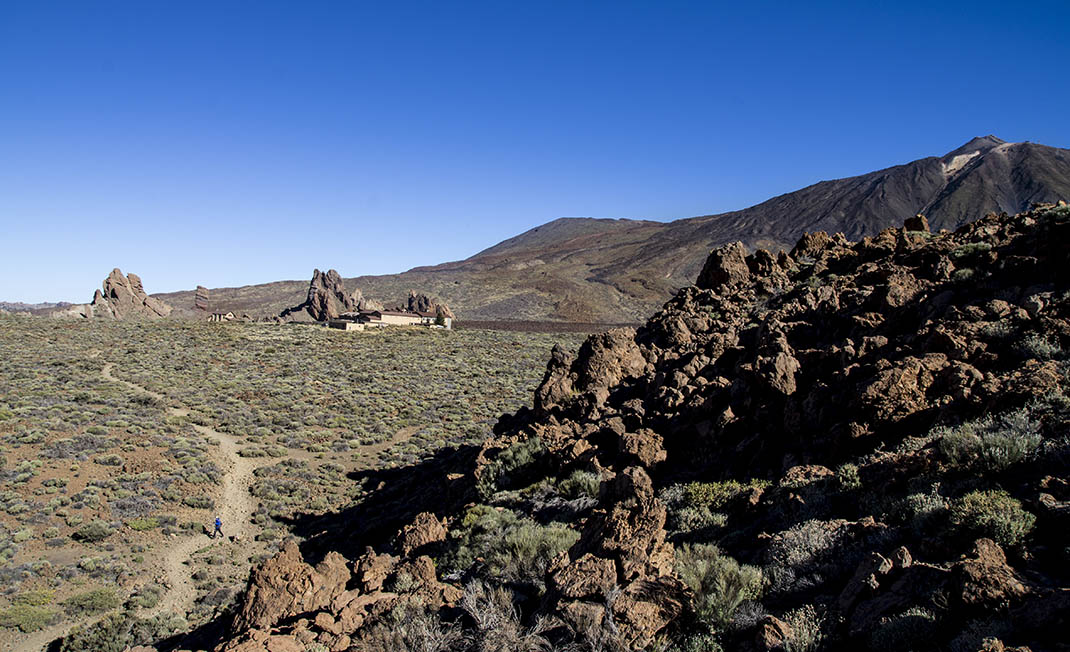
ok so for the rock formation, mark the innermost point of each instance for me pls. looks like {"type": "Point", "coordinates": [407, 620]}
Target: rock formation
{"type": "Point", "coordinates": [327, 299]}
{"type": "Point", "coordinates": [364, 303]}
{"type": "Point", "coordinates": [419, 302]}
{"type": "Point", "coordinates": [201, 299]}
{"type": "Point", "coordinates": [872, 434]}
{"type": "Point", "coordinates": [121, 297]}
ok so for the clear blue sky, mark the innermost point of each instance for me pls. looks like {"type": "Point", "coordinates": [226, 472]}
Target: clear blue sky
{"type": "Point", "coordinates": [225, 143]}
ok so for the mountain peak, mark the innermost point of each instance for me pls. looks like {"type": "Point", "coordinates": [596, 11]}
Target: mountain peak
{"type": "Point", "coordinates": [978, 144]}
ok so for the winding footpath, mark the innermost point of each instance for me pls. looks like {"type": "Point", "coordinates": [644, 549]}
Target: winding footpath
{"type": "Point", "coordinates": [237, 509]}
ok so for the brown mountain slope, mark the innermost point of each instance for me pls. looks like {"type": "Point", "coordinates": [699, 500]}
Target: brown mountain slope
{"type": "Point", "coordinates": [582, 269]}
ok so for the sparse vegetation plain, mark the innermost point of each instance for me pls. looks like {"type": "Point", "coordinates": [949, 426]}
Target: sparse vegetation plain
{"type": "Point", "coordinates": [99, 479]}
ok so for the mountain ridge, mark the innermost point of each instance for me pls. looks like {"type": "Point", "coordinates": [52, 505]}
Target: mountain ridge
{"type": "Point", "coordinates": [618, 270]}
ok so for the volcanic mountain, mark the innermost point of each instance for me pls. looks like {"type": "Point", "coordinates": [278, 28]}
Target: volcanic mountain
{"type": "Point", "coordinates": [619, 270]}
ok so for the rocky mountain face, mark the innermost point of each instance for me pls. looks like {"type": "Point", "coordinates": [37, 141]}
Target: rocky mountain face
{"type": "Point", "coordinates": [848, 445]}
{"type": "Point", "coordinates": [121, 297]}
{"type": "Point", "coordinates": [620, 271]}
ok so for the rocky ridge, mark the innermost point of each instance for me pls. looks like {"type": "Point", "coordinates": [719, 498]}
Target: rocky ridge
{"type": "Point", "coordinates": [871, 433]}
{"type": "Point", "coordinates": [582, 269]}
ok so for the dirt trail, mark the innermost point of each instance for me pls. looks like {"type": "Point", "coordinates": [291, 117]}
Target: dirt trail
{"type": "Point", "coordinates": [236, 511]}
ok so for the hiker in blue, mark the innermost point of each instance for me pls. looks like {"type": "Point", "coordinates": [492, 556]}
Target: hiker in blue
{"type": "Point", "coordinates": [218, 528]}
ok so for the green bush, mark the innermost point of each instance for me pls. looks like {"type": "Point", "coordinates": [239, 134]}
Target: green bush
{"type": "Point", "coordinates": [905, 631]}
{"type": "Point", "coordinates": [199, 502]}
{"type": "Point", "coordinates": [142, 524]}
{"type": "Point", "coordinates": [806, 634]}
{"type": "Point", "coordinates": [1035, 346]}
{"type": "Point", "coordinates": [513, 466]}
{"type": "Point", "coordinates": [515, 548]}
{"type": "Point", "coordinates": [719, 582]}
{"type": "Point", "coordinates": [26, 618]}
{"type": "Point", "coordinates": [580, 484]}
{"type": "Point", "coordinates": [698, 643]}
{"type": "Point", "coordinates": [92, 602]}
{"type": "Point", "coordinates": [993, 514]}
{"type": "Point", "coordinates": [971, 249]}
{"type": "Point", "coordinates": [696, 505]}
{"type": "Point", "coordinates": [34, 598]}
{"type": "Point", "coordinates": [145, 597]}
{"type": "Point", "coordinates": [93, 531]}
{"type": "Point", "coordinates": [717, 495]}
{"type": "Point", "coordinates": [847, 478]}
{"type": "Point", "coordinates": [924, 511]}
{"type": "Point", "coordinates": [990, 443]}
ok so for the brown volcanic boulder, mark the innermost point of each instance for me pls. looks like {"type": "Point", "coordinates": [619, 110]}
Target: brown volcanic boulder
{"type": "Point", "coordinates": [984, 578]}
{"type": "Point", "coordinates": [917, 223]}
{"type": "Point", "coordinates": [419, 302]}
{"type": "Point", "coordinates": [364, 303]}
{"type": "Point", "coordinates": [725, 266]}
{"type": "Point", "coordinates": [603, 361]}
{"type": "Point", "coordinates": [424, 530]}
{"type": "Point", "coordinates": [286, 586]}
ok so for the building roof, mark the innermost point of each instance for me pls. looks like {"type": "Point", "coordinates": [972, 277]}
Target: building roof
{"type": "Point", "coordinates": [398, 313]}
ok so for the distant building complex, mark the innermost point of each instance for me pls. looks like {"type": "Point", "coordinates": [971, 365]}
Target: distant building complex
{"type": "Point", "coordinates": [358, 321]}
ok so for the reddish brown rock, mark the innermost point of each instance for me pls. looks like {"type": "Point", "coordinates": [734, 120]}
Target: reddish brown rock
{"type": "Point", "coordinates": [725, 267]}
{"type": "Point", "coordinates": [917, 223]}
{"type": "Point", "coordinates": [424, 530]}
{"type": "Point", "coordinates": [201, 299]}
{"type": "Point", "coordinates": [773, 634]}
{"type": "Point", "coordinates": [587, 577]}
{"type": "Point", "coordinates": [286, 586]}
{"type": "Point", "coordinates": [984, 579]}
{"type": "Point", "coordinates": [371, 570]}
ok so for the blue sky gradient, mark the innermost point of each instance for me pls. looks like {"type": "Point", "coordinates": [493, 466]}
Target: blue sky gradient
{"type": "Point", "coordinates": [238, 142]}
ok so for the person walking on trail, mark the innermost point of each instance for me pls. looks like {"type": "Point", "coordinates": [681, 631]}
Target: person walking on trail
{"type": "Point", "coordinates": [218, 528]}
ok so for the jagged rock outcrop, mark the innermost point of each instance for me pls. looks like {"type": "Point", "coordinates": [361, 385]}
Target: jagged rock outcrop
{"type": "Point", "coordinates": [286, 586]}
{"type": "Point", "coordinates": [622, 549]}
{"type": "Point", "coordinates": [327, 299]}
{"type": "Point", "coordinates": [289, 602]}
{"type": "Point", "coordinates": [362, 302]}
{"type": "Point", "coordinates": [425, 530]}
{"type": "Point", "coordinates": [327, 296]}
{"type": "Point", "coordinates": [876, 429]}
{"type": "Point", "coordinates": [121, 297]}
{"type": "Point", "coordinates": [419, 302]}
